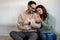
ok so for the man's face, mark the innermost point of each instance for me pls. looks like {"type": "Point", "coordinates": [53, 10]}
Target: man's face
{"type": "Point", "coordinates": [32, 7]}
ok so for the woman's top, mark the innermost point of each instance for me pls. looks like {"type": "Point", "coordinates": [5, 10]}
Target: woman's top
{"type": "Point", "coordinates": [46, 25]}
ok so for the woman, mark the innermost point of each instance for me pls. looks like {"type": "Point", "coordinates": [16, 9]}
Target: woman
{"type": "Point", "coordinates": [46, 30]}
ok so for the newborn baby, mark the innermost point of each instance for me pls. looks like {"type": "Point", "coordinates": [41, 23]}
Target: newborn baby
{"type": "Point", "coordinates": [34, 21]}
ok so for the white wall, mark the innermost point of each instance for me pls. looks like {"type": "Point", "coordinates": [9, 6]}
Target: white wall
{"type": "Point", "coordinates": [53, 7]}
{"type": "Point", "coordinates": [10, 9]}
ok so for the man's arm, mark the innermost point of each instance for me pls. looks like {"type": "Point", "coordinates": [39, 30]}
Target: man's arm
{"type": "Point", "coordinates": [22, 22]}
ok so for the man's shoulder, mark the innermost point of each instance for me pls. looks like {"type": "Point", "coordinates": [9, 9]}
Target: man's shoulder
{"type": "Point", "coordinates": [22, 13]}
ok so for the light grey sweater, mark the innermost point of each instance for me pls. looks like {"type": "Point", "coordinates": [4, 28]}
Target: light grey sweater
{"type": "Point", "coordinates": [30, 16]}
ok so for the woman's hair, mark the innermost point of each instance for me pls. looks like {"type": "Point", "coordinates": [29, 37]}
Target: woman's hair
{"type": "Point", "coordinates": [44, 15]}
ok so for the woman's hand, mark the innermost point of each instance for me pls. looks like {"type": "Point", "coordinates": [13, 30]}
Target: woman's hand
{"type": "Point", "coordinates": [37, 19]}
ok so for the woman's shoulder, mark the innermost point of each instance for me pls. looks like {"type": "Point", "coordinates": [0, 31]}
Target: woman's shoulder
{"type": "Point", "coordinates": [49, 16]}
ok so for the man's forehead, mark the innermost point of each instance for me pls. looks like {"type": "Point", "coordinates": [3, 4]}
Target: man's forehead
{"type": "Point", "coordinates": [33, 5]}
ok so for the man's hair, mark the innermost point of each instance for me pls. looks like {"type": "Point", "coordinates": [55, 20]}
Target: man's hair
{"type": "Point", "coordinates": [31, 2]}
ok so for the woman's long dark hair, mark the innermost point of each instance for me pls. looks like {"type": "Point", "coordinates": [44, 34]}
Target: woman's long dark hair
{"type": "Point", "coordinates": [44, 15]}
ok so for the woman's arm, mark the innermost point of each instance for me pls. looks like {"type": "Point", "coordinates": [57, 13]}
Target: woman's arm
{"type": "Point", "coordinates": [48, 22]}
{"type": "Point", "coordinates": [35, 25]}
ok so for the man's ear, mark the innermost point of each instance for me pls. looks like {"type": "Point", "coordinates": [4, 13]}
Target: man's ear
{"type": "Point", "coordinates": [28, 6]}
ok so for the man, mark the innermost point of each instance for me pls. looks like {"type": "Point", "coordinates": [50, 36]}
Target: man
{"type": "Point", "coordinates": [26, 24]}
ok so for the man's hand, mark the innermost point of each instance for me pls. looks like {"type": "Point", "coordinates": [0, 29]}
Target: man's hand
{"type": "Point", "coordinates": [25, 21]}
{"type": "Point", "coordinates": [24, 28]}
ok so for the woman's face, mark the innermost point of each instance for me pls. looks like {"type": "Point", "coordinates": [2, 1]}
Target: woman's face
{"type": "Point", "coordinates": [39, 11]}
